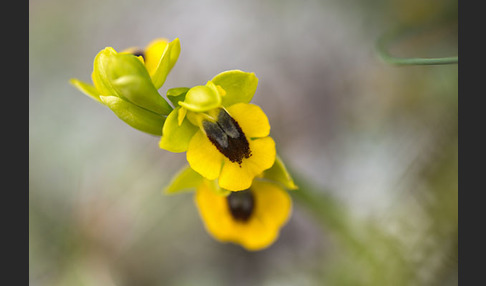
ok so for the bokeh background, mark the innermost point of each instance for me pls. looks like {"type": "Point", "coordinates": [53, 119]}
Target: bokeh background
{"type": "Point", "coordinates": [373, 146]}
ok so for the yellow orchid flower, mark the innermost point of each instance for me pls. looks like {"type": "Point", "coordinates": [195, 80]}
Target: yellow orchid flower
{"type": "Point", "coordinates": [251, 218]}
{"type": "Point", "coordinates": [225, 136]}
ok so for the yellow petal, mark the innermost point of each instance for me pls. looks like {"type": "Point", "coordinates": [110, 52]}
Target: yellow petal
{"type": "Point", "coordinates": [181, 115]}
{"type": "Point", "coordinates": [204, 157]}
{"type": "Point", "coordinates": [153, 52]}
{"type": "Point", "coordinates": [257, 235]}
{"type": "Point", "coordinates": [273, 207]}
{"type": "Point", "coordinates": [274, 204]}
{"type": "Point", "coordinates": [236, 177]}
{"type": "Point", "coordinates": [214, 212]}
{"type": "Point", "coordinates": [251, 119]}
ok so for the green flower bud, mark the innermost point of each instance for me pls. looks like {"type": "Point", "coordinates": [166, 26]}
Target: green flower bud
{"type": "Point", "coordinates": [128, 78]}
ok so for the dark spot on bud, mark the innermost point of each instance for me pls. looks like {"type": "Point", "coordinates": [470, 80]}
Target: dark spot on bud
{"type": "Point", "coordinates": [139, 53]}
{"type": "Point", "coordinates": [228, 137]}
{"type": "Point", "coordinates": [241, 204]}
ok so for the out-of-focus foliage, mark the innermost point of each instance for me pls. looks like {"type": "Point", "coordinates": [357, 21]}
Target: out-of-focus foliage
{"type": "Point", "coordinates": [372, 147]}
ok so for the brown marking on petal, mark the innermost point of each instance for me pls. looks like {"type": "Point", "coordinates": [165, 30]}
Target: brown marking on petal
{"type": "Point", "coordinates": [241, 204]}
{"type": "Point", "coordinates": [227, 136]}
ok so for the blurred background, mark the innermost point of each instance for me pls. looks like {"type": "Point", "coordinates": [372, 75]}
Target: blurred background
{"type": "Point", "coordinates": [372, 146]}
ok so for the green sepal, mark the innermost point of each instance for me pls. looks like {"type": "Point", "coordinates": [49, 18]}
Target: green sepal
{"type": "Point", "coordinates": [279, 174]}
{"type": "Point", "coordinates": [185, 180]}
{"type": "Point", "coordinates": [135, 116]}
{"type": "Point", "coordinates": [175, 137]}
{"type": "Point", "coordinates": [175, 51]}
{"type": "Point", "coordinates": [177, 94]}
{"type": "Point", "coordinates": [140, 91]}
{"type": "Point", "coordinates": [202, 98]}
{"type": "Point", "coordinates": [166, 63]}
{"type": "Point", "coordinates": [99, 75]}
{"type": "Point", "coordinates": [217, 189]}
{"type": "Point", "coordinates": [86, 88]}
{"type": "Point", "coordinates": [239, 86]}
{"type": "Point", "coordinates": [130, 79]}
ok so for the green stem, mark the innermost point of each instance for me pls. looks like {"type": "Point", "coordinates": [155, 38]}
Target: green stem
{"type": "Point", "coordinates": [384, 41]}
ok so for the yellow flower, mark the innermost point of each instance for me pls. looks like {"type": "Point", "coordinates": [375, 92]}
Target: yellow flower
{"type": "Point", "coordinates": [251, 218]}
{"type": "Point", "coordinates": [225, 136]}
{"type": "Point", "coordinates": [235, 148]}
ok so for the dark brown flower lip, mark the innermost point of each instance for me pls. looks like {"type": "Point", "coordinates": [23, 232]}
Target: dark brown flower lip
{"type": "Point", "coordinates": [227, 136]}
{"type": "Point", "coordinates": [241, 204]}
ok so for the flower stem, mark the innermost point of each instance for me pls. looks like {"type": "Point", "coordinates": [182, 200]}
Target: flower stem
{"type": "Point", "coordinates": [383, 43]}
